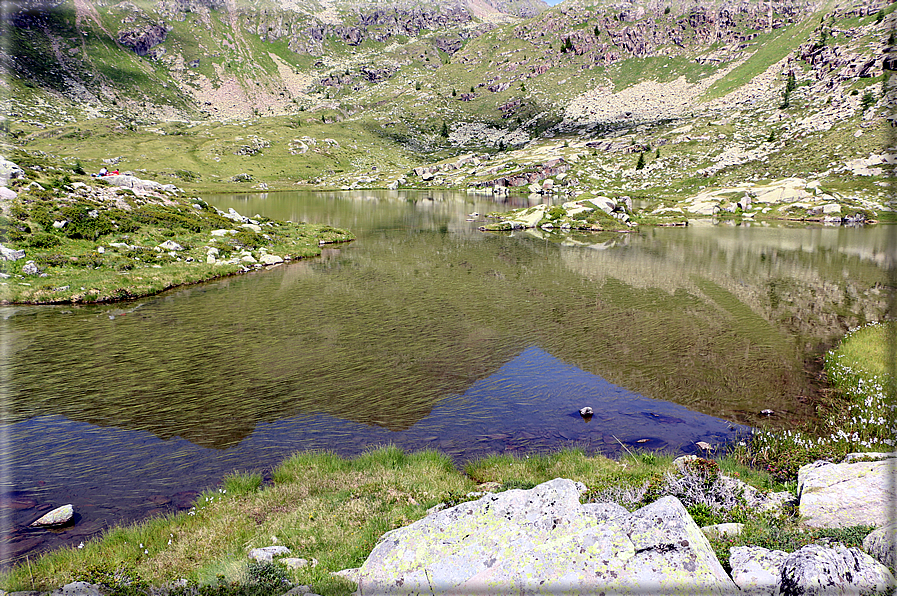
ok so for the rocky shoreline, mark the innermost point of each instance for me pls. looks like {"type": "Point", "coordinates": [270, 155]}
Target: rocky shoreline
{"type": "Point", "coordinates": [561, 538]}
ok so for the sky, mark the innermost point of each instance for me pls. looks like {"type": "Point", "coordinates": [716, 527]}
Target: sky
{"type": "Point", "coordinates": [553, 2]}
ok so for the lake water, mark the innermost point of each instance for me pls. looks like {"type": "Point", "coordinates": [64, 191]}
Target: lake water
{"type": "Point", "coordinates": [424, 332]}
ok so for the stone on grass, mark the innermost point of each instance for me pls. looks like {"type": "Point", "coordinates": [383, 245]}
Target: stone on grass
{"type": "Point", "coordinates": [882, 544]}
{"type": "Point", "coordinates": [171, 245]}
{"type": "Point", "coordinates": [267, 553]}
{"type": "Point", "coordinates": [721, 530]}
{"type": "Point", "coordinates": [57, 517]}
{"type": "Point", "coordinates": [267, 259]}
{"type": "Point", "coordinates": [543, 541]}
{"type": "Point", "coordinates": [78, 589]}
{"type": "Point", "coordinates": [296, 563]}
{"type": "Point", "coordinates": [844, 495]}
{"type": "Point", "coordinates": [7, 194]}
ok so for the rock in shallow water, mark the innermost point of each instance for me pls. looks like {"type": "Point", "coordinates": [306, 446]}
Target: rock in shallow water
{"type": "Point", "coordinates": [57, 517]}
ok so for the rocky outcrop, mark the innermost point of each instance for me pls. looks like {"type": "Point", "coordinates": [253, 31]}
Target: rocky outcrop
{"type": "Point", "coordinates": [812, 570]}
{"type": "Point", "coordinates": [846, 494]}
{"type": "Point", "coordinates": [143, 39]}
{"type": "Point", "coordinates": [543, 541]}
{"type": "Point", "coordinates": [9, 171]}
{"type": "Point", "coordinates": [138, 185]}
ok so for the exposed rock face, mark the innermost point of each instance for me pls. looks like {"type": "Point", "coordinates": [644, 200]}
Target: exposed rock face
{"type": "Point", "coordinates": [143, 39]}
{"type": "Point", "coordinates": [543, 541]}
{"type": "Point", "coordinates": [847, 494]}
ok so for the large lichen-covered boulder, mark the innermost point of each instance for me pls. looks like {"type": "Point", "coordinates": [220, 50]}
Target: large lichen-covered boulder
{"type": "Point", "coordinates": [847, 494]}
{"type": "Point", "coordinates": [813, 570]}
{"type": "Point", "coordinates": [882, 544]}
{"type": "Point", "coordinates": [543, 541]}
{"type": "Point", "coordinates": [829, 571]}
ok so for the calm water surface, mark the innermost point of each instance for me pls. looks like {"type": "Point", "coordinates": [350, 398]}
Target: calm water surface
{"type": "Point", "coordinates": [424, 332]}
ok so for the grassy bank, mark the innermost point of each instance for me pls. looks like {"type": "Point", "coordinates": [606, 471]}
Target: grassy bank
{"type": "Point", "coordinates": [858, 415]}
{"type": "Point", "coordinates": [86, 240]}
{"type": "Point", "coordinates": [333, 510]}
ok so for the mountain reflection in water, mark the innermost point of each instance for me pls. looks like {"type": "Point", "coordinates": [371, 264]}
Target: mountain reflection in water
{"type": "Point", "coordinates": [528, 405]}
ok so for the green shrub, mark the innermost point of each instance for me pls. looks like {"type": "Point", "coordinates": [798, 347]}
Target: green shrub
{"type": "Point", "coordinates": [44, 240]}
{"type": "Point", "coordinates": [268, 575]}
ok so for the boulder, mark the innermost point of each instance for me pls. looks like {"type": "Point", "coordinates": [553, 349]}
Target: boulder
{"type": "Point", "coordinates": [847, 494]}
{"type": "Point", "coordinates": [267, 553]}
{"type": "Point", "coordinates": [812, 570]}
{"type": "Point", "coordinates": [30, 268]}
{"type": "Point", "coordinates": [11, 254]}
{"type": "Point", "coordinates": [820, 570]}
{"type": "Point", "coordinates": [543, 541]}
{"type": "Point", "coordinates": [7, 194]}
{"type": "Point", "coordinates": [171, 245]}
{"type": "Point", "coordinates": [79, 589]}
{"type": "Point", "coordinates": [756, 570]}
{"type": "Point", "coordinates": [57, 517]}
{"type": "Point", "coordinates": [882, 544]}
{"type": "Point", "coordinates": [9, 171]}
{"type": "Point", "coordinates": [266, 259]}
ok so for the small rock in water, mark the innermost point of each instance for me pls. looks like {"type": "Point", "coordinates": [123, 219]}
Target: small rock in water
{"type": "Point", "coordinates": [57, 517]}
{"type": "Point", "coordinates": [586, 411]}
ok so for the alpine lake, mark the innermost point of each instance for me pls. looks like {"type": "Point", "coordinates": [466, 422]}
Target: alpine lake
{"type": "Point", "coordinates": [426, 333]}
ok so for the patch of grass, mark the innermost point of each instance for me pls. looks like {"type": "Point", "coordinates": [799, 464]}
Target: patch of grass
{"type": "Point", "coordinates": [859, 417]}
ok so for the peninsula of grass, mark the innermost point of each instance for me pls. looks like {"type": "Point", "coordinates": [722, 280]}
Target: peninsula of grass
{"type": "Point", "coordinates": [85, 240]}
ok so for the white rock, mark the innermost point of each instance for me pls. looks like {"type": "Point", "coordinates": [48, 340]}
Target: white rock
{"type": "Point", "coordinates": [718, 530]}
{"type": "Point", "coordinates": [268, 553]}
{"type": "Point", "coordinates": [843, 495]}
{"type": "Point", "coordinates": [171, 245]}
{"type": "Point", "coordinates": [57, 517]}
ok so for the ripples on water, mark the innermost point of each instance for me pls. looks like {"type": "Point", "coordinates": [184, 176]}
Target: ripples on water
{"type": "Point", "coordinates": [425, 333]}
